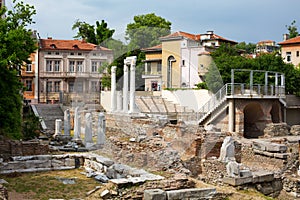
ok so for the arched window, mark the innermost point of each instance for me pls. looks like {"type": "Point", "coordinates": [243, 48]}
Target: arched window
{"type": "Point", "coordinates": [171, 59]}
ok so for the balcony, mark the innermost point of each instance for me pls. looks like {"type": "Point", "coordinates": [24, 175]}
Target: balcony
{"type": "Point", "coordinates": [155, 74]}
{"type": "Point", "coordinates": [70, 75]}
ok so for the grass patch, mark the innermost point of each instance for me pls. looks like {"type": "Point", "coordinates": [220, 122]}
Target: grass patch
{"type": "Point", "coordinates": [46, 185]}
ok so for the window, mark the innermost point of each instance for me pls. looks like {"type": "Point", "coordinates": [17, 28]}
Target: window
{"type": "Point", "coordinates": [49, 86]}
{"type": "Point", "coordinates": [79, 87]}
{"type": "Point", "coordinates": [28, 68]}
{"type": "Point", "coordinates": [297, 53]}
{"type": "Point", "coordinates": [49, 65]}
{"type": "Point", "coordinates": [79, 66]}
{"type": "Point", "coordinates": [95, 86]}
{"type": "Point", "coordinates": [28, 84]}
{"type": "Point", "coordinates": [148, 69]}
{"type": "Point", "coordinates": [288, 56]}
{"type": "Point", "coordinates": [94, 66]}
{"type": "Point", "coordinates": [79, 54]}
{"type": "Point", "coordinates": [56, 65]}
{"type": "Point", "coordinates": [72, 66]}
{"type": "Point", "coordinates": [71, 86]}
{"type": "Point", "coordinates": [72, 53]}
{"type": "Point", "coordinates": [159, 67]}
{"type": "Point", "coordinates": [49, 53]}
{"type": "Point", "coordinates": [56, 53]}
{"type": "Point", "coordinates": [56, 86]}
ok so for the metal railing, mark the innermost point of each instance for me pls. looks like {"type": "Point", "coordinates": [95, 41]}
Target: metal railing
{"type": "Point", "coordinates": [239, 90]}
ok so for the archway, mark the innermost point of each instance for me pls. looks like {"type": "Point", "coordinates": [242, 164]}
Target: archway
{"type": "Point", "coordinates": [253, 113]}
{"type": "Point", "coordinates": [171, 59]}
{"type": "Point", "coordinates": [275, 113]}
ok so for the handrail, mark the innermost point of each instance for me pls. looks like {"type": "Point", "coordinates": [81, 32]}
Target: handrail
{"type": "Point", "coordinates": [236, 90]}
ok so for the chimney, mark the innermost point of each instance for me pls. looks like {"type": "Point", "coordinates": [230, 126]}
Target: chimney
{"type": "Point", "coordinates": [210, 32]}
{"type": "Point", "coordinates": [286, 36]}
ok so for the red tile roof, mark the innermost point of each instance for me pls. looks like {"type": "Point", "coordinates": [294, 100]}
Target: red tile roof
{"type": "Point", "coordinates": [291, 41]}
{"type": "Point", "coordinates": [182, 34]}
{"type": "Point", "coordinates": [195, 36]}
{"type": "Point", "coordinates": [50, 44]}
{"type": "Point", "coordinates": [154, 48]}
{"type": "Point", "coordinates": [265, 41]}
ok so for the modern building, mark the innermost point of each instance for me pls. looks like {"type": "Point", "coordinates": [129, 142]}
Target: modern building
{"type": "Point", "coordinates": [266, 46]}
{"type": "Point", "coordinates": [70, 70]}
{"type": "Point", "coordinates": [181, 60]}
{"type": "Point", "coordinates": [290, 50]}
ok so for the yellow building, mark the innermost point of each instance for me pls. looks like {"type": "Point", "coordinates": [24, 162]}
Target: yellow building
{"type": "Point", "coordinates": [181, 60]}
{"type": "Point", "coordinates": [290, 49]}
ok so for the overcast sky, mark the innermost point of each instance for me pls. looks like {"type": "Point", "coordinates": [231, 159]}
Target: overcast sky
{"type": "Point", "coordinates": [238, 20]}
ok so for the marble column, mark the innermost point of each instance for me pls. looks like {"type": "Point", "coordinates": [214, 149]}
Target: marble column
{"type": "Point", "coordinates": [113, 89]}
{"type": "Point", "coordinates": [67, 121]}
{"type": "Point", "coordinates": [58, 124]}
{"type": "Point", "coordinates": [88, 133]}
{"type": "Point", "coordinates": [101, 129]}
{"type": "Point", "coordinates": [77, 124]}
{"type": "Point", "coordinates": [119, 101]}
{"type": "Point", "coordinates": [132, 84]}
{"type": "Point", "coordinates": [125, 88]}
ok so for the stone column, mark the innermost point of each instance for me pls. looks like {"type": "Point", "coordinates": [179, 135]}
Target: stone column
{"type": "Point", "coordinates": [101, 129]}
{"type": "Point", "coordinates": [67, 125]}
{"type": "Point", "coordinates": [119, 101]}
{"type": "Point", "coordinates": [132, 84]}
{"type": "Point", "coordinates": [58, 124]}
{"type": "Point", "coordinates": [77, 124]}
{"type": "Point", "coordinates": [231, 116]}
{"type": "Point", "coordinates": [88, 133]}
{"type": "Point", "coordinates": [113, 89]}
{"type": "Point", "coordinates": [125, 88]}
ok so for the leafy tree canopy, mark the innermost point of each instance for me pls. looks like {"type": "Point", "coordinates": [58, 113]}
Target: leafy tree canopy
{"type": "Point", "coordinates": [146, 30]}
{"type": "Point", "coordinates": [93, 34]}
{"type": "Point", "coordinates": [16, 45]}
{"type": "Point", "coordinates": [293, 31]}
{"type": "Point", "coordinates": [248, 48]}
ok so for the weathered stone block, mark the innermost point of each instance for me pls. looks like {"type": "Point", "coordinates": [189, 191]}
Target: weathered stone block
{"type": "Point", "coordinates": [295, 130]}
{"type": "Point", "coordinates": [193, 193]}
{"type": "Point", "coordinates": [37, 164]}
{"type": "Point", "coordinates": [154, 194]}
{"type": "Point", "coordinates": [69, 162]}
{"type": "Point", "coordinates": [57, 163]}
{"type": "Point", "coordinates": [262, 176]}
{"type": "Point", "coordinates": [236, 181]}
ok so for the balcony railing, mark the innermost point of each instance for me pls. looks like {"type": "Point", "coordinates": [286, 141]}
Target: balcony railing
{"type": "Point", "coordinates": [70, 74]}
{"type": "Point", "coordinates": [149, 73]}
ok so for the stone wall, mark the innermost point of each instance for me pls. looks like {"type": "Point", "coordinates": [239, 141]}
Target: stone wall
{"type": "Point", "coordinates": [3, 193]}
{"type": "Point", "coordinates": [19, 148]}
{"type": "Point", "coordinates": [256, 161]}
{"type": "Point", "coordinates": [213, 171]}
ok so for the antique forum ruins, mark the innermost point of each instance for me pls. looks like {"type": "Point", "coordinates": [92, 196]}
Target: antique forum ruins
{"type": "Point", "coordinates": [152, 147]}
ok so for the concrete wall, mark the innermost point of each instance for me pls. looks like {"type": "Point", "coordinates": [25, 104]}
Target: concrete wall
{"type": "Point", "coordinates": [192, 99]}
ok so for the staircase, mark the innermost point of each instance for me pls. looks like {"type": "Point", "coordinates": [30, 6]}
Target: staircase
{"type": "Point", "coordinates": [159, 105]}
{"type": "Point", "coordinates": [213, 107]}
{"type": "Point", "coordinates": [49, 113]}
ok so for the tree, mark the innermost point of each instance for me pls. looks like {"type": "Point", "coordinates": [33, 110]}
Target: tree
{"type": "Point", "coordinates": [16, 44]}
{"type": "Point", "coordinates": [248, 48]}
{"type": "Point", "coordinates": [95, 35]}
{"type": "Point", "coordinates": [293, 31]}
{"type": "Point", "coordinates": [146, 30]}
